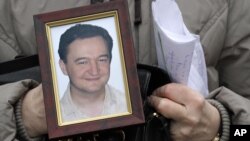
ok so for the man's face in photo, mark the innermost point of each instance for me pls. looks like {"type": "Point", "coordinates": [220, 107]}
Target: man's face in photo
{"type": "Point", "coordinates": [88, 64]}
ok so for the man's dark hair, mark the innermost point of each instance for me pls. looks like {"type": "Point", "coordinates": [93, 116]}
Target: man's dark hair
{"type": "Point", "coordinates": [82, 31]}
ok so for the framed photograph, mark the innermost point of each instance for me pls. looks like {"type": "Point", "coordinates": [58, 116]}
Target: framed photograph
{"type": "Point", "coordinates": [88, 69]}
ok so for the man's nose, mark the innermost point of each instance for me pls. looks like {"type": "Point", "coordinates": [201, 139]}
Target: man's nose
{"type": "Point", "coordinates": [94, 68]}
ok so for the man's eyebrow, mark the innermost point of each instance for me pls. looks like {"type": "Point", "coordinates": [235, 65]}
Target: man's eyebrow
{"type": "Point", "coordinates": [104, 55]}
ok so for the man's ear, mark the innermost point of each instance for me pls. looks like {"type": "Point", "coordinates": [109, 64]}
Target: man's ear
{"type": "Point", "coordinates": [63, 67]}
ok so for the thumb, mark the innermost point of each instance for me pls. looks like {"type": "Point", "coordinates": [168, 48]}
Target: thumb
{"type": "Point", "coordinates": [33, 112]}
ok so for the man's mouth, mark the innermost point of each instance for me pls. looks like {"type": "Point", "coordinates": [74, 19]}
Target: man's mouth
{"type": "Point", "coordinates": [93, 79]}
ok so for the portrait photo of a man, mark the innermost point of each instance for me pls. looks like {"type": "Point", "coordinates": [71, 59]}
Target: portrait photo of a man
{"type": "Point", "coordinates": [85, 56]}
{"type": "Point", "coordinates": [89, 71]}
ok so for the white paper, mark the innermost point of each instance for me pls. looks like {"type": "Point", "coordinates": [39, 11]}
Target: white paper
{"type": "Point", "coordinates": [179, 52]}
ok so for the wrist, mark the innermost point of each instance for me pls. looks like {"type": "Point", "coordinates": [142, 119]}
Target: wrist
{"type": "Point", "coordinates": [21, 130]}
{"type": "Point", "coordinates": [223, 133]}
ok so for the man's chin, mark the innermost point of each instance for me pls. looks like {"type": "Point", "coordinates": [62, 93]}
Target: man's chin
{"type": "Point", "coordinates": [95, 89]}
{"type": "Point", "coordinates": [91, 88]}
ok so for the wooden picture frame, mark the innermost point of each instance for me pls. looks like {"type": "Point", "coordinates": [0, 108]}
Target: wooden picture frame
{"type": "Point", "coordinates": [114, 18]}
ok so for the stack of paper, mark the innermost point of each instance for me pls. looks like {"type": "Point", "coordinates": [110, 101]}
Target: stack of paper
{"type": "Point", "coordinates": [179, 52]}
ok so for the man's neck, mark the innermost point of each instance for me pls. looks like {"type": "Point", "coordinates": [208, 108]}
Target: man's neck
{"type": "Point", "coordinates": [88, 103]}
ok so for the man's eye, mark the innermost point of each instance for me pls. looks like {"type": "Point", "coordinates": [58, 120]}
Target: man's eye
{"type": "Point", "coordinates": [105, 59]}
{"type": "Point", "coordinates": [82, 62]}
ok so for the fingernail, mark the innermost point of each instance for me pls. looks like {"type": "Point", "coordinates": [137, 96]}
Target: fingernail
{"type": "Point", "coordinates": [149, 99]}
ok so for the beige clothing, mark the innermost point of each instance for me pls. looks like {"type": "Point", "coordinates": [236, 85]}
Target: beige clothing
{"type": "Point", "coordinates": [226, 44]}
{"type": "Point", "coordinates": [223, 26]}
{"type": "Point", "coordinates": [10, 94]}
{"type": "Point", "coordinates": [114, 103]}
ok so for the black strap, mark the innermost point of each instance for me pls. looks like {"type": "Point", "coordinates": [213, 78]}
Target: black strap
{"type": "Point", "coordinates": [156, 128]}
{"type": "Point", "coordinates": [137, 12]}
{"type": "Point", "coordinates": [96, 1]}
{"type": "Point", "coordinates": [19, 64]}
{"type": "Point", "coordinates": [137, 9]}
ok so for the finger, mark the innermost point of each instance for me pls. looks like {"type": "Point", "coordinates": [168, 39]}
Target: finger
{"type": "Point", "coordinates": [177, 92]}
{"type": "Point", "coordinates": [167, 108]}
